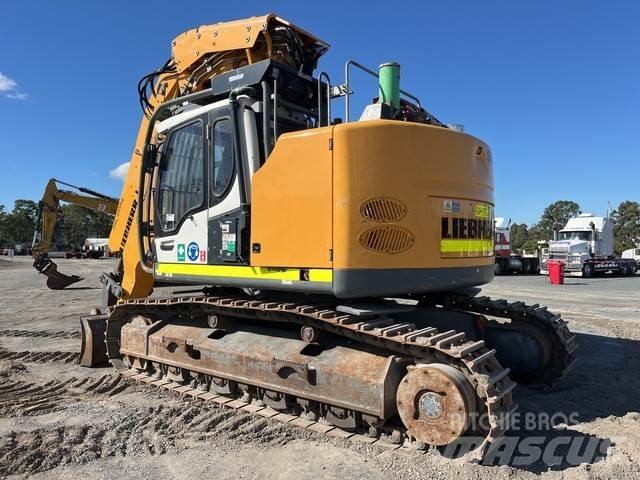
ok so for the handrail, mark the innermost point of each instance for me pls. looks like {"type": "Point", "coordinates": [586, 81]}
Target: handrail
{"type": "Point", "coordinates": [326, 76]}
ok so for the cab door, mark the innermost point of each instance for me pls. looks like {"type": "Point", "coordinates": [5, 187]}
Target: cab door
{"type": "Point", "coordinates": [181, 195]}
{"type": "Point", "coordinates": [200, 219]}
{"type": "Point", "coordinates": [228, 220]}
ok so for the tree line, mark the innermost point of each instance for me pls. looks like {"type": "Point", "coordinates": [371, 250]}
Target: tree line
{"type": "Point", "coordinates": [74, 225]}
{"type": "Point", "coordinates": [625, 219]}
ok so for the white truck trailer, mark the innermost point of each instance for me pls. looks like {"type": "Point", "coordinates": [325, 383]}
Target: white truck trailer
{"type": "Point", "coordinates": [96, 247]}
{"type": "Point", "coordinates": [585, 246]}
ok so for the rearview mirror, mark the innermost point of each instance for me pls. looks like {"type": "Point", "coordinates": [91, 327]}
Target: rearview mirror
{"type": "Point", "coordinates": [149, 157]}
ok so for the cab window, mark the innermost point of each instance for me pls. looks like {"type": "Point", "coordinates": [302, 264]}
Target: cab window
{"type": "Point", "coordinates": [181, 178]}
{"type": "Point", "coordinates": [221, 173]}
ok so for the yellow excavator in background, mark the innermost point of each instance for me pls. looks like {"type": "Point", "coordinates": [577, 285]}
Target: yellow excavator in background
{"type": "Point", "coordinates": [336, 262]}
{"type": "Point", "coordinates": [48, 210]}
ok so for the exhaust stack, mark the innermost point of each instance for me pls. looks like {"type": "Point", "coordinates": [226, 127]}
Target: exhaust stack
{"type": "Point", "coordinates": [389, 84]}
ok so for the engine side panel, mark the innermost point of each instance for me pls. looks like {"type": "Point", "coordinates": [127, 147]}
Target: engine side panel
{"type": "Point", "coordinates": [413, 209]}
{"type": "Point", "coordinates": [291, 218]}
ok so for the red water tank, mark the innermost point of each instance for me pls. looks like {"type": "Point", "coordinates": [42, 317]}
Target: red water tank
{"type": "Point", "coordinates": [556, 272]}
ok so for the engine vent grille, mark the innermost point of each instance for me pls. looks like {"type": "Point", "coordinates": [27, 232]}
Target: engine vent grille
{"type": "Point", "coordinates": [388, 239]}
{"type": "Point", "coordinates": [383, 210]}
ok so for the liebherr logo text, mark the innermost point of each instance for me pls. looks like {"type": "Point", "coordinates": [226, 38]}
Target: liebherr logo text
{"type": "Point", "coordinates": [471, 228]}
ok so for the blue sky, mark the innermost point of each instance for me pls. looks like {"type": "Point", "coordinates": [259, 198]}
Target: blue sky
{"type": "Point", "coordinates": [552, 86]}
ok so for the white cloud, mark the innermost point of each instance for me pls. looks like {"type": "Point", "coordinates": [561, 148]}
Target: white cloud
{"type": "Point", "coordinates": [120, 172]}
{"type": "Point", "coordinates": [7, 84]}
{"type": "Point", "coordinates": [10, 88]}
{"type": "Point", "coordinates": [17, 96]}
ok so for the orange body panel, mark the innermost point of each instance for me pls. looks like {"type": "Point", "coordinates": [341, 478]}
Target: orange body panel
{"type": "Point", "coordinates": [308, 199]}
{"type": "Point", "coordinates": [291, 214]}
{"type": "Point", "coordinates": [419, 165]}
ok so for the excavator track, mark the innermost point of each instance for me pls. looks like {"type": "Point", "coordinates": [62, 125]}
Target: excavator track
{"type": "Point", "coordinates": [561, 343]}
{"type": "Point", "coordinates": [419, 347]}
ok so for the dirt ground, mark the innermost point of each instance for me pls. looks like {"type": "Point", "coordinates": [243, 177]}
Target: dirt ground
{"type": "Point", "coordinates": [59, 420]}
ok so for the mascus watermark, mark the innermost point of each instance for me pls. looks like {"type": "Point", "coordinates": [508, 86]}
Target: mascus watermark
{"type": "Point", "coordinates": [558, 450]}
{"type": "Point", "coordinates": [532, 438]}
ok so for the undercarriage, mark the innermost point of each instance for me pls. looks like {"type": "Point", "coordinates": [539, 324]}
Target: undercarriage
{"type": "Point", "coordinates": [425, 372]}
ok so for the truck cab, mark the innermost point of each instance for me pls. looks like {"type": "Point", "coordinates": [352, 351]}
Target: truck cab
{"type": "Point", "coordinates": [585, 246]}
{"type": "Point", "coordinates": [632, 253]}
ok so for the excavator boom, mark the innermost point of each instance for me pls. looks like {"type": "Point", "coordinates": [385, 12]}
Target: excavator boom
{"type": "Point", "coordinates": [46, 221]}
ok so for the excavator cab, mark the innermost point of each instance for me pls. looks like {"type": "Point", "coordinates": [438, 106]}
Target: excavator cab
{"type": "Point", "coordinates": [198, 185]}
{"type": "Point", "coordinates": [202, 188]}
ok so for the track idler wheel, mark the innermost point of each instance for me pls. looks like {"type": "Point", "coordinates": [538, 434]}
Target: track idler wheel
{"type": "Point", "coordinates": [435, 403]}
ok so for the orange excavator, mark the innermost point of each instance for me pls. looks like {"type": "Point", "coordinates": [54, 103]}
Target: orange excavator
{"type": "Point", "coordinates": [334, 262]}
{"type": "Point", "coordinates": [48, 211]}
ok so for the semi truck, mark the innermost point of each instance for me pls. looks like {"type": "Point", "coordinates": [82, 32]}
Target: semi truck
{"type": "Point", "coordinates": [508, 261]}
{"type": "Point", "coordinates": [633, 253]}
{"type": "Point", "coordinates": [585, 246]}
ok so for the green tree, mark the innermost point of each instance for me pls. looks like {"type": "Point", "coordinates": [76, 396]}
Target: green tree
{"type": "Point", "coordinates": [78, 223]}
{"type": "Point", "coordinates": [626, 225]}
{"type": "Point", "coordinates": [26, 208]}
{"type": "Point", "coordinates": [3, 225]}
{"type": "Point", "coordinates": [530, 246]}
{"type": "Point", "coordinates": [554, 218]}
{"type": "Point", "coordinates": [519, 234]}
{"type": "Point", "coordinates": [19, 225]}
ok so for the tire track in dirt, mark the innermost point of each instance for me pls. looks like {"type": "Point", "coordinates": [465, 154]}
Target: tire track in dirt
{"type": "Point", "coordinates": [19, 398]}
{"type": "Point", "coordinates": [39, 333]}
{"type": "Point", "coordinates": [40, 357]}
{"type": "Point", "coordinates": [56, 356]}
{"type": "Point", "coordinates": [153, 430]}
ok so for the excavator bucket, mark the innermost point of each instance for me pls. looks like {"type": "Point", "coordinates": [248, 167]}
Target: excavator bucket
{"type": "Point", "coordinates": [93, 351]}
{"type": "Point", "coordinates": [55, 279]}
